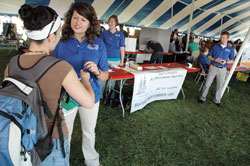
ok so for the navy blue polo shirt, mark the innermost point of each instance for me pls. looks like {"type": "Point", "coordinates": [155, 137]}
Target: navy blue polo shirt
{"type": "Point", "coordinates": [218, 51]}
{"type": "Point", "coordinates": [113, 44]}
{"type": "Point", "coordinates": [77, 54]}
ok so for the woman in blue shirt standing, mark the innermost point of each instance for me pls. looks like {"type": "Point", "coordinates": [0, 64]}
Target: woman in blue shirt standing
{"type": "Point", "coordinates": [83, 50]}
{"type": "Point", "coordinates": [115, 42]}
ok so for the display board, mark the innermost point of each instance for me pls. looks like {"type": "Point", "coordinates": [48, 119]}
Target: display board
{"type": "Point", "coordinates": [160, 35]}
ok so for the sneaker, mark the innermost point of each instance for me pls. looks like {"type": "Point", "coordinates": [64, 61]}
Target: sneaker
{"type": "Point", "coordinates": [200, 101]}
{"type": "Point", "coordinates": [218, 104]}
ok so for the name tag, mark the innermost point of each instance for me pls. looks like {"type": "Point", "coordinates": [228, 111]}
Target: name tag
{"type": "Point", "coordinates": [227, 50]}
{"type": "Point", "coordinates": [93, 47]}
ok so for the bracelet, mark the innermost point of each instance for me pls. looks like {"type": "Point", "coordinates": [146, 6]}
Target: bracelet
{"type": "Point", "coordinates": [100, 72]}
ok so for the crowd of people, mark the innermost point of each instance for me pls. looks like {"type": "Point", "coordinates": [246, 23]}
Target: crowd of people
{"type": "Point", "coordinates": [87, 49]}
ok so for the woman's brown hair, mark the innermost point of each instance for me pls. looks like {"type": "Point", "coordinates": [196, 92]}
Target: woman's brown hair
{"type": "Point", "coordinates": [114, 17]}
{"type": "Point", "coordinates": [85, 10]}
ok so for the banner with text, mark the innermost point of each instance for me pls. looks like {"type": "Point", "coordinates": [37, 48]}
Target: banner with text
{"type": "Point", "coordinates": [156, 85]}
{"type": "Point", "coordinates": [245, 59]}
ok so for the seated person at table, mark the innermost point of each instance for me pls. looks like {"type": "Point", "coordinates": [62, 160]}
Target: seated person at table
{"type": "Point", "coordinates": [203, 58]}
{"type": "Point", "coordinates": [194, 49]}
{"type": "Point", "coordinates": [158, 53]}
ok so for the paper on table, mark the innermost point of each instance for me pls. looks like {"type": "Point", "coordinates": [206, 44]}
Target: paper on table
{"type": "Point", "coordinates": [162, 67]}
{"type": "Point", "coordinates": [110, 70]}
{"type": "Point", "coordinates": [128, 69]}
{"type": "Point", "coordinates": [190, 67]}
{"type": "Point", "coordinates": [150, 67]}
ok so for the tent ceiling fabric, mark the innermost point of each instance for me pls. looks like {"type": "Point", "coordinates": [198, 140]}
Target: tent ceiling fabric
{"type": "Point", "coordinates": [206, 21]}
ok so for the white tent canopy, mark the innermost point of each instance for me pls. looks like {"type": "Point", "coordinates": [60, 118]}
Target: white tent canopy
{"type": "Point", "coordinates": [209, 17]}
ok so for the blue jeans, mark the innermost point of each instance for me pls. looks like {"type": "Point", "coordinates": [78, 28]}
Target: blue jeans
{"type": "Point", "coordinates": [156, 57]}
{"type": "Point", "coordinates": [56, 157]}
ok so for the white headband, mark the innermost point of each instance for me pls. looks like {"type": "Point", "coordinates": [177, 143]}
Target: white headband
{"type": "Point", "coordinates": [44, 33]}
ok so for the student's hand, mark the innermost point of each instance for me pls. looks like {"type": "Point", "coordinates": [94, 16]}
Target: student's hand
{"type": "Point", "coordinates": [92, 67]}
{"type": "Point", "coordinates": [218, 60]}
{"type": "Point", "coordinates": [223, 62]}
{"type": "Point", "coordinates": [85, 76]}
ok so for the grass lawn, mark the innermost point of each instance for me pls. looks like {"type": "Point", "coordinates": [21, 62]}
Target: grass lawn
{"type": "Point", "coordinates": [173, 132]}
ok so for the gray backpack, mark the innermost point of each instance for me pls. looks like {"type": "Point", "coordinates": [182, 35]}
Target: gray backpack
{"type": "Point", "coordinates": [21, 103]}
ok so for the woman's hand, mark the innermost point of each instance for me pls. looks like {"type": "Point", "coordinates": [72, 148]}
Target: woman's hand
{"type": "Point", "coordinates": [92, 67]}
{"type": "Point", "coordinates": [84, 75]}
{"type": "Point", "coordinates": [121, 64]}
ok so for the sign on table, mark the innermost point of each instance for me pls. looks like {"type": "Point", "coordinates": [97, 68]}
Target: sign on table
{"type": "Point", "coordinates": [156, 85]}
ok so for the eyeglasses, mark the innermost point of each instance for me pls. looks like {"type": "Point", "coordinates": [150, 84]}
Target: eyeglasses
{"type": "Point", "coordinates": [53, 23]}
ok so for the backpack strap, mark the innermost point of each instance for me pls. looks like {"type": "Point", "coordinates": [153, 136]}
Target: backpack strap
{"type": "Point", "coordinates": [59, 124]}
{"type": "Point", "coordinates": [36, 71]}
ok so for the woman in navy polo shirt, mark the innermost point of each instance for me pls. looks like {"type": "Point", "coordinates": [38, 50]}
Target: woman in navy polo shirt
{"type": "Point", "coordinates": [83, 50]}
{"type": "Point", "coordinates": [115, 42]}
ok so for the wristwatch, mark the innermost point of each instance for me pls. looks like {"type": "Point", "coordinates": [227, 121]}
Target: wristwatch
{"type": "Point", "coordinates": [99, 72]}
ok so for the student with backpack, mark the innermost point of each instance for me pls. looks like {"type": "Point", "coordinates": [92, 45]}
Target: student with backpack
{"type": "Point", "coordinates": [83, 50]}
{"type": "Point", "coordinates": [43, 29]}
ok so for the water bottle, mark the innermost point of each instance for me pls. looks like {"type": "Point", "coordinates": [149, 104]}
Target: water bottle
{"type": "Point", "coordinates": [127, 64]}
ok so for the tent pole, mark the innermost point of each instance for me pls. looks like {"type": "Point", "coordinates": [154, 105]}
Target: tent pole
{"type": "Point", "coordinates": [190, 24]}
{"type": "Point", "coordinates": [239, 54]}
{"type": "Point", "coordinates": [221, 22]}
{"type": "Point", "coordinates": [172, 13]}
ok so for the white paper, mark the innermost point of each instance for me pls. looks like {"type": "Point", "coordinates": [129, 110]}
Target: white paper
{"type": "Point", "coordinates": [151, 67]}
{"type": "Point", "coordinates": [110, 70]}
{"type": "Point", "coordinates": [162, 67]}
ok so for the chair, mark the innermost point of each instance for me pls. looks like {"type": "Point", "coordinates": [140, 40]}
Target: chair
{"type": "Point", "coordinates": [201, 74]}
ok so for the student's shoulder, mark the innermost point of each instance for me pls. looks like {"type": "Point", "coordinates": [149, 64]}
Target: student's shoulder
{"type": "Point", "coordinates": [62, 63]}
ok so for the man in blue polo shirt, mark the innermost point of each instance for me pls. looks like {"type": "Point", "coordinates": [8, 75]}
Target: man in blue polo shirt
{"type": "Point", "coordinates": [220, 56]}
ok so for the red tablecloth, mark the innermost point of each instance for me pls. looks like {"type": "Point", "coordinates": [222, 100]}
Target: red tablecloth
{"type": "Point", "coordinates": [238, 68]}
{"type": "Point", "coordinates": [122, 74]}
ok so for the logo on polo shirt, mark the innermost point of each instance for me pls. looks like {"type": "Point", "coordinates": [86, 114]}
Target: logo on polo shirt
{"type": "Point", "coordinates": [117, 35]}
{"type": "Point", "coordinates": [227, 50]}
{"type": "Point", "coordinates": [93, 47]}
